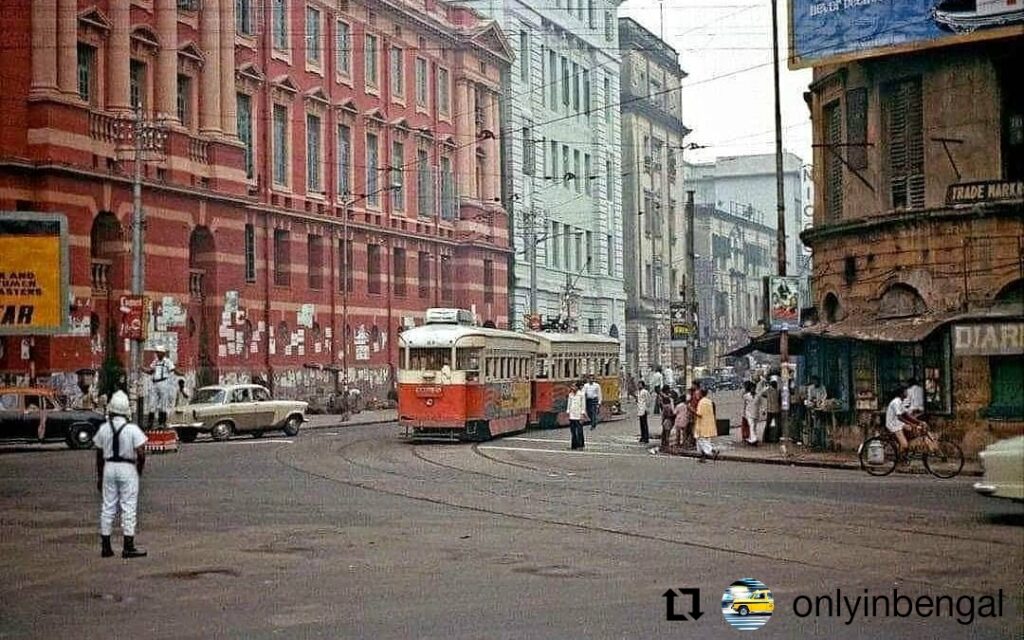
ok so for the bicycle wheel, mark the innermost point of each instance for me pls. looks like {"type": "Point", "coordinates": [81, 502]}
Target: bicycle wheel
{"type": "Point", "coordinates": [878, 456]}
{"type": "Point", "coordinates": [946, 461]}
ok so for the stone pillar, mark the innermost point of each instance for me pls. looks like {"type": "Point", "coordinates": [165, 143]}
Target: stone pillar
{"type": "Point", "coordinates": [228, 107]}
{"type": "Point", "coordinates": [465, 153]}
{"type": "Point", "coordinates": [493, 168]}
{"type": "Point", "coordinates": [44, 56]}
{"type": "Point", "coordinates": [210, 41]}
{"type": "Point", "coordinates": [166, 86]}
{"type": "Point", "coordinates": [119, 59]}
{"type": "Point", "coordinates": [67, 46]}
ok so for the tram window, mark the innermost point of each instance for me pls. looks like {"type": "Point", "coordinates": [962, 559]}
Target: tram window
{"type": "Point", "coordinates": [429, 359]}
{"type": "Point", "coordinates": [468, 359]}
{"type": "Point", "coordinates": [540, 368]}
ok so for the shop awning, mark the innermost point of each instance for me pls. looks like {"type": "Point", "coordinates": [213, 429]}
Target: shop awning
{"type": "Point", "coordinates": [769, 343]}
{"type": "Point", "coordinates": [914, 329]}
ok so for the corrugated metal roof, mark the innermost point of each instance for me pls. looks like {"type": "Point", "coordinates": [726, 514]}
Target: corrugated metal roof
{"type": "Point", "coordinates": [914, 329]}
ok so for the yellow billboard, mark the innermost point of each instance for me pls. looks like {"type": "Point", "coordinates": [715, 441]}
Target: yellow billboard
{"type": "Point", "coordinates": [33, 273]}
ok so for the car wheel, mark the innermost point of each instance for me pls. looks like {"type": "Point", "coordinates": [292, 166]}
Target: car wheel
{"type": "Point", "coordinates": [291, 427]}
{"type": "Point", "coordinates": [222, 430]}
{"type": "Point", "coordinates": [257, 434]}
{"type": "Point", "coordinates": [187, 435]}
{"type": "Point", "coordinates": [744, 610]}
{"type": "Point", "coordinates": [79, 436]}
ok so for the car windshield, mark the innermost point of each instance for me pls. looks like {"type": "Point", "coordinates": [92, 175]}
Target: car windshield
{"type": "Point", "coordinates": [209, 396]}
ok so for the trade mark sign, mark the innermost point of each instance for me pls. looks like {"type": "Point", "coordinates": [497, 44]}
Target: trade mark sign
{"type": "Point", "coordinates": [33, 273]}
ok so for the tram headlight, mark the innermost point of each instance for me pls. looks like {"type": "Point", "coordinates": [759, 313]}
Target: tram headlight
{"type": "Point", "coordinates": [430, 402]}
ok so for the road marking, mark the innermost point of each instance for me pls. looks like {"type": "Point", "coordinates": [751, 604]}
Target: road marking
{"type": "Point", "coordinates": [560, 441]}
{"type": "Point", "coordinates": [260, 441]}
{"type": "Point", "coordinates": [568, 451]}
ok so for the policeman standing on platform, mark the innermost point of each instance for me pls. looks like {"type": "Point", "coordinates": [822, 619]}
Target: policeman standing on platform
{"type": "Point", "coordinates": [164, 390]}
{"type": "Point", "coordinates": [120, 458]}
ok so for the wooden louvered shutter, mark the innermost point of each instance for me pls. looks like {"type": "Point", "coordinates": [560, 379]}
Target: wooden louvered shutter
{"type": "Point", "coordinates": [904, 125]}
{"type": "Point", "coordinates": [833, 167]}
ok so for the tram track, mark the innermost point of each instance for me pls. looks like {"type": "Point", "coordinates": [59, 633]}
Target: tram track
{"type": "Point", "coordinates": [348, 453]}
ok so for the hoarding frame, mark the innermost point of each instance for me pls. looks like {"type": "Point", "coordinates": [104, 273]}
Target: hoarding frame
{"type": "Point", "coordinates": [794, 63]}
{"type": "Point", "coordinates": [64, 276]}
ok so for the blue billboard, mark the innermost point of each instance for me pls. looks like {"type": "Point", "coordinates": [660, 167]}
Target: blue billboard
{"type": "Point", "coordinates": [823, 31]}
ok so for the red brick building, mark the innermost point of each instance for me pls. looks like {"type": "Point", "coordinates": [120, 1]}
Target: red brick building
{"type": "Point", "coordinates": [331, 170]}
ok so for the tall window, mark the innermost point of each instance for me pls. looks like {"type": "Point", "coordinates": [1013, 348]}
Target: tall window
{"type": "Point", "coordinates": [556, 243]}
{"type": "Point", "coordinates": [347, 279]}
{"type": "Point", "coordinates": [443, 92]}
{"type": "Point", "coordinates": [397, 176]}
{"type": "Point", "coordinates": [447, 290]}
{"type": "Point", "coordinates": [398, 271]}
{"type": "Point", "coordinates": [543, 76]}
{"type": "Point", "coordinates": [488, 280]}
{"type": "Point", "coordinates": [448, 201]}
{"type": "Point", "coordinates": [373, 275]}
{"type": "Point", "coordinates": [244, 123]}
{"type": "Point", "coordinates": [566, 84]}
{"type": "Point", "coordinates": [424, 191]}
{"type": "Point", "coordinates": [833, 124]}
{"type": "Point", "coordinates": [280, 17]}
{"type": "Point", "coordinates": [423, 273]}
{"type": "Point", "coordinates": [589, 247]}
{"type": "Point", "coordinates": [313, 46]}
{"type": "Point", "coordinates": [280, 144]}
{"type": "Point", "coordinates": [552, 161]}
{"type": "Point", "coordinates": [608, 101]}
{"type": "Point", "coordinates": [137, 83]}
{"type": "Point", "coordinates": [344, 161]}
{"type": "Point", "coordinates": [524, 56]}
{"type": "Point", "coordinates": [610, 249]}
{"type": "Point", "coordinates": [857, 128]}
{"type": "Point", "coordinates": [315, 259]}
{"type": "Point", "coordinates": [566, 166]}
{"type": "Point", "coordinates": [903, 121]}
{"type": "Point", "coordinates": [313, 154]}
{"type": "Point", "coordinates": [250, 253]}
{"type": "Point", "coordinates": [553, 73]}
{"type": "Point", "coordinates": [86, 73]}
{"type": "Point", "coordinates": [586, 92]}
{"type": "Point", "coordinates": [372, 170]}
{"type": "Point", "coordinates": [577, 170]}
{"type": "Point", "coordinates": [575, 87]}
{"type": "Point", "coordinates": [184, 100]}
{"type": "Point", "coordinates": [243, 17]}
{"type": "Point", "coordinates": [370, 54]}
{"type": "Point", "coordinates": [282, 258]}
{"type": "Point", "coordinates": [397, 73]}
{"type": "Point", "coordinates": [529, 150]}
{"type": "Point", "coordinates": [343, 48]}
{"type": "Point", "coordinates": [421, 82]}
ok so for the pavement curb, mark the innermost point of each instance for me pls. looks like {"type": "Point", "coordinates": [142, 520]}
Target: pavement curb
{"type": "Point", "coordinates": [818, 464]}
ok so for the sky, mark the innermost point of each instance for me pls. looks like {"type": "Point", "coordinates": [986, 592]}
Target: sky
{"type": "Point", "coordinates": [725, 47]}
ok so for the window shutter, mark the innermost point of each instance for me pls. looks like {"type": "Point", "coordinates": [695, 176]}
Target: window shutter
{"type": "Point", "coordinates": [904, 124]}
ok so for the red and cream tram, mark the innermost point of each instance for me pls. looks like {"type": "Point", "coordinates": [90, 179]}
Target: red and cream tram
{"type": "Point", "coordinates": [563, 358]}
{"type": "Point", "coordinates": [463, 382]}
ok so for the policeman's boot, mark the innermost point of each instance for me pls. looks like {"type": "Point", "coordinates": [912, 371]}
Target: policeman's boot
{"type": "Point", "coordinates": [162, 420]}
{"type": "Point", "coordinates": [130, 551]}
{"type": "Point", "coordinates": [149, 421]}
{"type": "Point", "coordinates": [106, 551]}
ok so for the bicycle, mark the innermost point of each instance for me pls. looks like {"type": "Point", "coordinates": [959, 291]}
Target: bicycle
{"type": "Point", "coordinates": [879, 454]}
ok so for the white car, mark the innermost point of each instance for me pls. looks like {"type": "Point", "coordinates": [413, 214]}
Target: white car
{"type": "Point", "coordinates": [1003, 462]}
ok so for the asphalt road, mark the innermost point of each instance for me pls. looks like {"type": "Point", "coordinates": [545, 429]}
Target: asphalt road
{"type": "Point", "coordinates": [354, 533]}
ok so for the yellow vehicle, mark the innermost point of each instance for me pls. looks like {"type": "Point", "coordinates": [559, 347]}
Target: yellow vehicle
{"type": "Point", "coordinates": [759, 601]}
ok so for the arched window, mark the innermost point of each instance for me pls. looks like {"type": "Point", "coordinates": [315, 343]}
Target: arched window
{"type": "Point", "coordinates": [901, 301]}
{"type": "Point", "coordinates": [831, 307]}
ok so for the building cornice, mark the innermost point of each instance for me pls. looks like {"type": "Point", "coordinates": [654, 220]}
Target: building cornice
{"type": "Point", "coordinates": [891, 219]}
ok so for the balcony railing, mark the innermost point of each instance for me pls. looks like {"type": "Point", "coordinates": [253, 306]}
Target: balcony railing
{"type": "Point", "coordinates": [104, 127]}
{"type": "Point", "coordinates": [198, 150]}
{"type": "Point", "coordinates": [101, 275]}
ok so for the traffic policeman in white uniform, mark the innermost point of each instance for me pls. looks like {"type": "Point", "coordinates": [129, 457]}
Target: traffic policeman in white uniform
{"type": "Point", "coordinates": [164, 389]}
{"type": "Point", "coordinates": [120, 458]}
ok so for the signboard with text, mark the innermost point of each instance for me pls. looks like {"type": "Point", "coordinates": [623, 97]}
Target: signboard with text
{"type": "Point", "coordinates": [133, 318]}
{"type": "Point", "coordinates": [783, 302]}
{"type": "Point", "coordinates": [987, 191]}
{"type": "Point", "coordinates": [33, 273]}
{"type": "Point", "coordinates": [829, 31]}
{"type": "Point", "coordinates": [681, 327]}
{"type": "Point", "coordinates": [989, 339]}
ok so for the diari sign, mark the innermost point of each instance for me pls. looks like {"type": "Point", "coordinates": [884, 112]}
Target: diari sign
{"type": "Point", "coordinates": [989, 339]}
{"type": "Point", "coordinates": [33, 273]}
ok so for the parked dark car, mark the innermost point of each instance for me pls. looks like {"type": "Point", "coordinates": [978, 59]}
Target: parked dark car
{"type": "Point", "coordinates": [22, 409]}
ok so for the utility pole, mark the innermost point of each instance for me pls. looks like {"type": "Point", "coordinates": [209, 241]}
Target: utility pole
{"type": "Point", "coordinates": [690, 281]}
{"type": "Point", "coordinates": [145, 137]}
{"type": "Point", "coordinates": [531, 247]}
{"type": "Point", "coordinates": [781, 231]}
